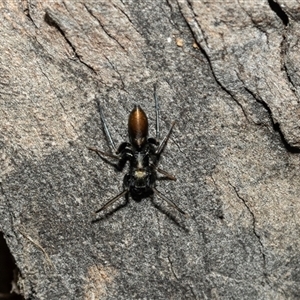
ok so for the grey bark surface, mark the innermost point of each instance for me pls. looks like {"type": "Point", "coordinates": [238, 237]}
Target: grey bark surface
{"type": "Point", "coordinates": [227, 72]}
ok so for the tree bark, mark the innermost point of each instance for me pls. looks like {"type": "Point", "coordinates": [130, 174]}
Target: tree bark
{"type": "Point", "coordinates": [228, 73]}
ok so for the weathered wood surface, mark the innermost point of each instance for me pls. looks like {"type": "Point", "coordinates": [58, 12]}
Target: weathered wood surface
{"type": "Point", "coordinates": [228, 72]}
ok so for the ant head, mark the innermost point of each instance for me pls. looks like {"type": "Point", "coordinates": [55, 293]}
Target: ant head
{"type": "Point", "coordinates": [138, 127]}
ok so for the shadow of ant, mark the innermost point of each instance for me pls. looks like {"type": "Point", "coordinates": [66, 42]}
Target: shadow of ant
{"type": "Point", "coordinates": [164, 211]}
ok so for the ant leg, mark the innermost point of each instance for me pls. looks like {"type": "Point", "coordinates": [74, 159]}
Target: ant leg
{"type": "Point", "coordinates": [101, 153]}
{"type": "Point", "coordinates": [168, 175]}
{"type": "Point", "coordinates": [106, 130]}
{"type": "Point", "coordinates": [157, 113]}
{"type": "Point", "coordinates": [122, 159]}
{"type": "Point", "coordinates": [112, 201]}
{"type": "Point", "coordinates": [121, 164]}
{"type": "Point", "coordinates": [122, 147]}
{"type": "Point", "coordinates": [108, 137]}
{"type": "Point", "coordinates": [167, 200]}
{"type": "Point", "coordinates": [163, 143]}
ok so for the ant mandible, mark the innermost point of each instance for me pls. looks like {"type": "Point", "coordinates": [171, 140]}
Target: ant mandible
{"type": "Point", "coordinates": [143, 154]}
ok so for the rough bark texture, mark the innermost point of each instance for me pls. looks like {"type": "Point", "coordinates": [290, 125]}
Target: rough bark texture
{"type": "Point", "coordinates": [228, 72]}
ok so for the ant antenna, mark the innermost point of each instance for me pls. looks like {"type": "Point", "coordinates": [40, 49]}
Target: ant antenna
{"type": "Point", "coordinates": [163, 143]}
{"type": "Point", "coordinates": [156, 112]}
{"type": "Point", "coordinates": [106, 130]}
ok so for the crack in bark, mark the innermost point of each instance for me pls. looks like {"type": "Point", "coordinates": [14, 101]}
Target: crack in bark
{"type": "Point", "coordinates": [253, 227]}
{"type": "Point", "coordinates": [169, 4]}
{"type": "Point", "coordinates": [294, 89]}
{"type": "Point", "coordinates": [103, 27]}
{"type": "Point", "coordinates": [177, 278]}
{"type": "Point", "coordinates": [199, 27]}
{"type": "Point", "coordinates": [169, 15]}
{"type": "Point", "coordinates": [276, 126]}
{"type": "Point", "coordinates": [28, 13]}
{"type": "Point", "coordinates": [192, 291]}
{"type": "Point", "coordinates": [38, 246]}
{"type": "Point", "coordinates": [256, 25]}
{"type": "Point", "coordinates": [117, 71]}
{"type": "Point", "coordinates": [126, 15]}
{"type": "Point", "coordinates": [52, 21]}
{"type": "Point", "coordinates": [279, 12]}
{"type": "Point", "coordinates": [171, 268]}
{"type": "Point", "coordinates": [284, 47]}
{"type": "Point", "coordinates": [206, 55]}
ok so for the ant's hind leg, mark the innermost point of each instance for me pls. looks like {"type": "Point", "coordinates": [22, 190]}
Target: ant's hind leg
{"type": "Point", "coordinates": [167, 200]}
{"type": "Point", "coordinates": [168, 175]}
{"type": "Point", "coordinates": [110, 202]}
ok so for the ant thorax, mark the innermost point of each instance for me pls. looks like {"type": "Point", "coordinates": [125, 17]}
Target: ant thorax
{"type": "Point", "coordinates": [140, 165]}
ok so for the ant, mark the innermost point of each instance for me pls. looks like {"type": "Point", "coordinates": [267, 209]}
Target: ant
{"type": "Point", "coordinates": [143, 154]}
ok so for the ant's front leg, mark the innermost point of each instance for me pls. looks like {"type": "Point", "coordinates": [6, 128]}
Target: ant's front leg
{"type": "Point", "coordinates": [122, 162]}
{"type": "Point", "coordinates": [103, 156]}
{"type": "Point", "coordinates": [125, 154]}
{"type": "Point", "coordinates": [101, 153]}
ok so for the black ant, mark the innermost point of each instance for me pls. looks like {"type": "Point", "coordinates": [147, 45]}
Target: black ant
{"type": "Point", "coordinates": [143, 154]}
